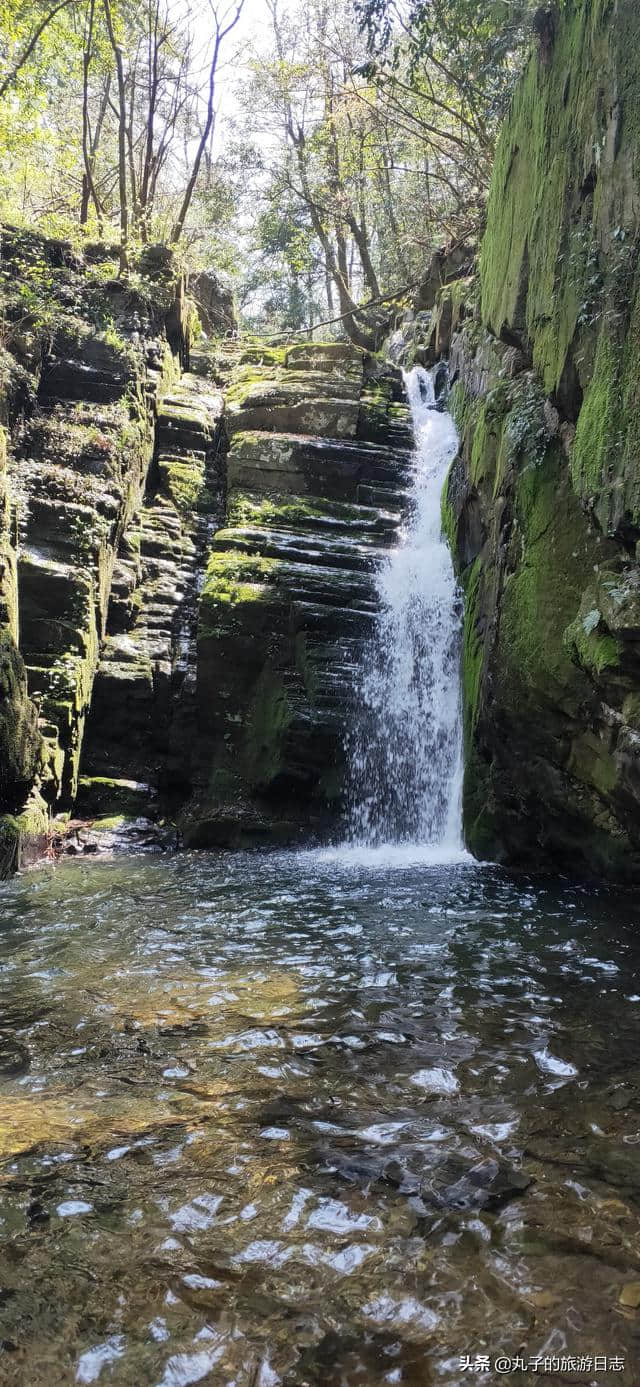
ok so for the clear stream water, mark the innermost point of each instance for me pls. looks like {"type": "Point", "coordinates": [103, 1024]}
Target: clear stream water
{"type": "Point", "coordinates": [338, 1118]}
{"type": "Point", "coordinates": [241, 1098]}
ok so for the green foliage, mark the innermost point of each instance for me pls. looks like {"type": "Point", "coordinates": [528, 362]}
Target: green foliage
{"type": "Point", "coordinates": [481, 44]}
{"type": "Point", "coordinates": [28, 297]}
{"type": "Point", "coordinates": [47, 50]}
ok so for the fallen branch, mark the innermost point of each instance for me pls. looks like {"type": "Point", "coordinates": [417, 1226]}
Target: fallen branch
{"type": "Point", "coordinates": [351, 313]}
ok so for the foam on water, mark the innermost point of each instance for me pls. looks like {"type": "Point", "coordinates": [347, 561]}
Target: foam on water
{"type": "Point", "coordinates": [388, 856]}
{"type": "Point", "coordinates": [406, 748]}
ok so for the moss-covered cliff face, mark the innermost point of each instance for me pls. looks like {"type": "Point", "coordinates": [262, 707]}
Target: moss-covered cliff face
{"type": "Point", "coordinates": [543, 506]}
{"type": "Point", "coordinates": [86, 369]}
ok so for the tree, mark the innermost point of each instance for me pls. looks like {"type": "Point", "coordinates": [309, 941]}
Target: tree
{"type": "Point", "coordinates": [223, 25]}
{"type": "Point", "coordinates": [25, 50]}
{"type": "Point", "coordinates": [104, 114]}
{"type": "Point", "coordinates": [321, 153]}
{"type": "Point", "coordinates": [476, 46]}
{"type": "Point", "coordinates": [383, 165]}
{"type": "Point", "coordinates": [122, 138]}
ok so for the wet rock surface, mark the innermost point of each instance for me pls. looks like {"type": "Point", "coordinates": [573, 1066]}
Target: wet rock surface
{"type": "Point", "coordinates": [86, 362]}
{"type": "Point", "coordinates": [319, 460]}
{"type": "Point", "coordinates": [187, 581]}
{"type": "Point", "coordinates": [542, 507]}
{"type": "Point", "coordinates": [110, 489]}
{"type": "Point", "coordinates": [142, 720]}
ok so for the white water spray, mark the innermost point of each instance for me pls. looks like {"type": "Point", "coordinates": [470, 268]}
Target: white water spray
{"type": "Point", "coordinates": [406, 750]}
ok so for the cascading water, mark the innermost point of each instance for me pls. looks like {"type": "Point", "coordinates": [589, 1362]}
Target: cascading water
{"type": "Point", "coordinates": [406, 749]}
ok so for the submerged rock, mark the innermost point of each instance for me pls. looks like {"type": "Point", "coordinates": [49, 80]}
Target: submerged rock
{"type": "Point", "coordinates": [487, 1185]}
{"type": "Point", "coordinates": [14, 1056]}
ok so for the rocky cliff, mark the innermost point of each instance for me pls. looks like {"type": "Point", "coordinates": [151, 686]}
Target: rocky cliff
{"type": "Point", "coordinates": [543, 505]}
{"type": "Point", "coordinates": [319, 455]}
{"type": "Point", "coordinates": [187, 582]}
{"type": "Point", "coordinates": [107, 489]}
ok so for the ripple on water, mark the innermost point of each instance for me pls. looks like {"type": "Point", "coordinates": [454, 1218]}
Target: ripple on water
{"type": "Point", "coordinates": [317, 1118]}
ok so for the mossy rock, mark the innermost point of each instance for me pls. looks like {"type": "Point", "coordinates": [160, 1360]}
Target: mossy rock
{"type": "Point", "coordinates": [24, 836]}
{"type": "Point", "coordinates": [20, 738]}
{"type": "Point", "coordinates": [559, 267]}
{"type": "Point", "coordinates": [106, 797]}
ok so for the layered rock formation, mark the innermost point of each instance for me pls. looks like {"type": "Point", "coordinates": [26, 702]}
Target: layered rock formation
{"type": "Point", "coordinates": [185, 597]}
{"type": "Point", "coordinates": [543, 506]}
{"type": "Point", "coordinates": [319, 457]}
{"type": "Point", "coordinates": [141, 739]}
{"type": "Point", "coordinates": [85, 363]}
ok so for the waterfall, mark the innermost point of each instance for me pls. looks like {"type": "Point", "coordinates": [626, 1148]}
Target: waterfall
{"type": "Point", "coordinates": [405, 751]}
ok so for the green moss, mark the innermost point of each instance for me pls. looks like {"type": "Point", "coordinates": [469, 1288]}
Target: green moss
{"type": "Point", "coordinates": [507, 429]}
{"type": "Point", "coordinates": [260, 355]}
{"type": "Point", "coordinates": [461, 406]}
{"type": "Point", "coordinates": [20, 740]}
{"type": "Point", "coordinates": [23, 835]}
{"type": "Point", "coordinates": [540, 266]}
{"type": "Point", "coordinates": [541, 596]}
{"type": "Point", "coordinates": [596, 428]}
{"type": "Point", "coordinates": [589, 643]}
{"type": "Point", "coordinates": [448, 518]}
{"type": "Point", "coordinates": [487, 435]}
{"type": "Point", "coordinates": [591, 763]}
{"type": "Point", "coordinates": [247, 438]}
{"type": "Point", "coordinates": [472, 652]}
{"type": "Point", "coordinates": [283, 511]}
{"type": "Point", "coordinates": [268, 720]}
{"type": "Point", "coordinates": [559, 268]}
{"type": "Point", "coordinates": [33, 821]}
{"type": "Point", "coordinates": [236, 583]}
{"type": "Point", "coordinates": [246, 378]}
{"type": "Point", "coordinates": [236, 577]}
{"type": "Point", "coordinates": [547, 754]}
{"type": "Point", "coordinates": [9, 846]}
{"type": "Point", "coordinates": [180, 413]}
{"type": "Point", "coordinates": [533, 179]}
{"type": "Point", "coordinates": [106, 797]}
{"type": "Point", "coordinates": [106, 823]}
{"type": "Point", "coordinates": [183, 480]}
{"type": "Point", "coordinates": [374, 415]}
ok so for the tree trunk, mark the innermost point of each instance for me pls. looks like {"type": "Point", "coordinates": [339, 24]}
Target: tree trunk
{"type": "Point", "coordinates": [220, 34]}
{"type": "Point", "coordinates": [122, 142]}
{"type": "Point", "coordinates": [147, 167]}
{"type": "Point", "coordinates": [89, 144]}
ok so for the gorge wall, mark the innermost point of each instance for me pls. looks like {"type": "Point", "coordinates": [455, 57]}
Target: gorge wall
{"type": "Point", "coordinates": [187, 582]}
{"type": "Point", "coordinates": [543, 504]}
{"type": "Point", "coordinates": [110, 484]}
{"type": "Point", "coordinates": [319, 455]}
